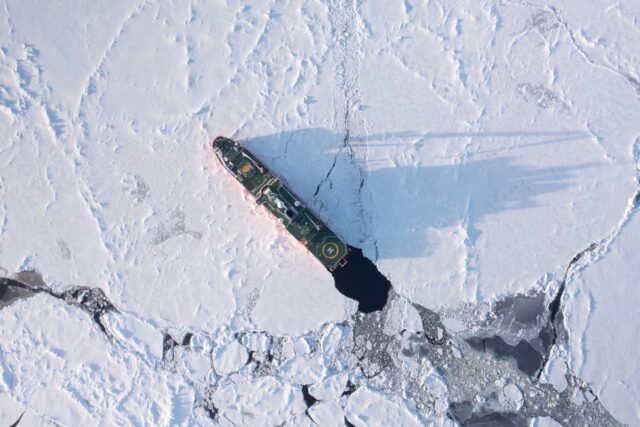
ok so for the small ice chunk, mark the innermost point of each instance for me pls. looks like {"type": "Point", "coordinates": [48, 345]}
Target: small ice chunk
{"type": "Point", "coordinates": [195, 365]}
{"type": "Point", "coordinates": [301, 370]}
{"type": "Point", "coordinates": [288, 351]}
{"type": "Point", "coordinates": [454, 325]}
{"type": "Point", "coordinates": [301, 346]}
{"type": "Point", "coordinates": [545, 422]}
{"type": "Point", "coordinates": [256, 342]}
{"type": "Point", "coordinates": [230, 358]}
{"type": "Point", "coordinates": [578, 397]}
{"type": "Point", "coordinates": [135, 334]}
{"type": "Point", "coordinates": [331, 340]}
{"type": "Point", "coordinates": [511, 397]}
{"type": "Point", "coordinates": [327, 414]}
{"type": "Point", "coordinates": [555, 373]}
{"type": "Point", "coordinates": [330, 388]}
{"type": "Point", "coordinates": [402, 315]}
{"type": "Point", "coordinates": [366, 405]}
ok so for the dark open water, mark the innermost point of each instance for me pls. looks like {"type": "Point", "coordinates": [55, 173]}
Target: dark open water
{"type": "Point", "coordinates": [360, 280]}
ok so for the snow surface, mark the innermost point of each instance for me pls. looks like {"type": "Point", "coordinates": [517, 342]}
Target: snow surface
{"type": "Point", "coordinates": [605, 327]}
{"type": "Point", "coordinates": [471, 149]}
{"type": "Point", "coordinates": [368, 408]}
{"type": "Point", "coordinates": [504, 151]}
{"type": "Point", "coordinates": [65, 370]}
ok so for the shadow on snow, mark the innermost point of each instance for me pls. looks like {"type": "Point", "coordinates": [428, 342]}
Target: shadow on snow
{"type": "Point", "coordinates": [407, 200]}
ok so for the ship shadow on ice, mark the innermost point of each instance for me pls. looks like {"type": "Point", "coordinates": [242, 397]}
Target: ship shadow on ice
{"type": "Point", "coordinates": [407, 206]}
{"type": "Point", "coordinates": [419, 202]}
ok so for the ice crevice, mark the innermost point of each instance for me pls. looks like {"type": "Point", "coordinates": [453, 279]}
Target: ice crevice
{"type": "Point", "coordinates": [17, 423]}
{"type": "Point", "coordinates": [326, 177]}
{"type": "Point", "coordinates": [626, 76]}
{"type": "Point", "coordinates": [553, 11]}
{"type": "Point", "coordinates": [593, 253]}
{"type": "Point", "coordinates": [93, 301]}
{"type": "Point", "coordinates": [598, 140]}
{"type": "Point", "coordinates": [348, 25]}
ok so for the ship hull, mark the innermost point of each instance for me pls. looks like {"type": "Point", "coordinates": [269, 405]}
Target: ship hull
{"type": "Point", "coordinates": [269, 191]}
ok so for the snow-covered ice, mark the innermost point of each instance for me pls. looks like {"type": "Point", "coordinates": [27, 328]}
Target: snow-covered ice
{"type": "Point", "coordinates": [367, 407]}
{"type": "Point", "coordinates": [604, 327]}
{"type": "Point", "coordinates": [61, 367]}
{"type": "Point", "coordinates": [485, 155]}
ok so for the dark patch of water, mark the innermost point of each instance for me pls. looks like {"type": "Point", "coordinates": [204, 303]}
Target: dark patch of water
{"type": "Point", "coordinates": [308, 398]}
{"type": "Point", "coordinates": [527, 358]}
{"type": "Point", "coordinates": [465, 413]}
{"type": "Point", "coordinates": [520, 308]}
{"type": "Point", "coordinates": [32, 278]}
{"type": "Point", "coordinates": [168, 343]}
{"type": "Point", "coordinates": [207, 402]}
{"type": "Point", "coordinates": [349, 389]}
{"type": "Point", "coordinates": [13, 290]}
{"type": "Point", "coordinates": [187, 339]}
{"type": "Point", "coordinates": [28, 283]}
{"type": "Point", "coordinates": [497, 419]}
{"type": "Point", "coordinates": [360, 280]}
{"type": "Point", "coordinates": [549, 335]}
{"type": "Point", "coordinates": [91, 300]}
{"type": "Point", "coordinates": [211, 410]}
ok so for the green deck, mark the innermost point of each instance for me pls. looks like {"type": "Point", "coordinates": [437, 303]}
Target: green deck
{"type": "Point", "coordinates": [269, 191]}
